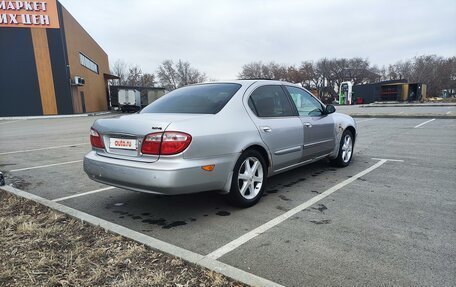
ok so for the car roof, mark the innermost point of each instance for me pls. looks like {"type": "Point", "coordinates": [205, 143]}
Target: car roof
{"type": "Point", "coordinates": [249, 82]}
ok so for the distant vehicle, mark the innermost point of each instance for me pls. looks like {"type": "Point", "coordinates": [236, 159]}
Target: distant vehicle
{"type": "Point", "coordinates": [228, 137]}
{"type": "Point", "coordinates": [129, 100]}
{"type": "Point", "coordinates": [345, 93]}
{"type": "Point", "coordinates": [122, 98]}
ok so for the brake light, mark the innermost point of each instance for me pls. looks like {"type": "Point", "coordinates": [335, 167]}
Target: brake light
{"type": "Point", "coordinates": [95, 139]}
{"type": "Point", "coordinates": [174, 142]}
{"type": "Point", "coordinates": [167, 143]}
{"type": "Point", "coordinates": [151, 144]}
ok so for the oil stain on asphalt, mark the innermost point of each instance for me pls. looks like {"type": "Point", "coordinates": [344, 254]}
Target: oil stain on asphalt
{"type": "Point", "coordinates": [320, 207]}
{"type": "Point", "coordinates": [283, 197]}
{"type": "Point", "coordinates": [162, 222]}
{"type": "Point", "coordinates": [294, 182]}
{"type": "Point", "coordinates": [223, 213]}
{"type": "Point", "coordinates": [281, 208]}
{"type": "Point", "coordinates": [324, 221]}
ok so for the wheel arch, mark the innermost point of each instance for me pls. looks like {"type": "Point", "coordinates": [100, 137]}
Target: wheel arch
{"type": "Point", "coordinates": [339, 130]}
{"type": "Point", "coordinates": [353, 131]}
{"type": "Point", "coordinates": [254, 146]}
{"type": "Point", "coordinates": [263, 152]}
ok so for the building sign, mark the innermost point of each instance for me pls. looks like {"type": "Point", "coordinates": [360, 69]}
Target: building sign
{"type": "Point", "coordinates": [29, 14]}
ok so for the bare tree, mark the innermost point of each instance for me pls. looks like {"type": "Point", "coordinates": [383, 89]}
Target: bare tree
{"type": "Point", "coordinates": [252, 71]}
{"type": "Point", "coordinates": [275, 71]}
{"type": "Point", "coordinates": [147, 80]}
{"type": "Point", "coordinates": [294, 75]}
{"type": "Point", "coordinates": [258, 70]}
{"type": "Point", "coordinates": [119, 69]}
{"type": "Point", "coordinates": [310, 76]}
{"type": "Point", "coordinates": [134, 76]}
{"type": "Point", "coordinates": [359, 71]}
{"type": "Point", "coordinates": [173, 76]}
{"type": "Point", "coordinates": [167, 75]}
{"type": "Point", "coordinates": [188, 75]}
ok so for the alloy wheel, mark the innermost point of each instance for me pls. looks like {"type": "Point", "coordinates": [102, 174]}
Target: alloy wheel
{"type": "Point", "coordinates": [250, 177]}
{"type": "Point", "coordinates": [347, 148]}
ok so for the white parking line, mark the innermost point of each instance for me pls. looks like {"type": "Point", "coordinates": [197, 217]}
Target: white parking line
{"type": "Point", "coordinates": [198, 259]}
{"type": "Point", "coordinates": [422, 124]}
{"type": "Point", "coordinates": [270, 224]}
{"type": "Point", "coordinates": [8, 122]}
{"type": "Point", "coordinates": [82, 194]}
{"type": "Point", "coordinates": [43, 166]}
{"type": "Point", "coordinates": [44, 148]}
{"type": "Point", "coordinates": [365, 120]}
{"type": "Point", "coordinates": [388, 159]}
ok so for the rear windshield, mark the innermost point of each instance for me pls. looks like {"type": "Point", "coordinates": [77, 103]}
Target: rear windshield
{"type": "Point", "coordinates": [199, 99]}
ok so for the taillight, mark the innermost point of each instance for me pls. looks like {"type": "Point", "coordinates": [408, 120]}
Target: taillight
{"type": "Point", "coordinates": [167, 143]}
{"type": "Point", "coordinates": [174, 142]}
{"type": "Point", "coordinates": [95, 139]}
{"type": "Point", "coordinates": [151, 144]}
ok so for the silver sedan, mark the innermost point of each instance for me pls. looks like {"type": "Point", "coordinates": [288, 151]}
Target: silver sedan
{"type": "Point", "coordinates": [224, 136]}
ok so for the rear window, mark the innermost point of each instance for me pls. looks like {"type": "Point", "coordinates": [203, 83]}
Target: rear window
{"type": "Point", "coordinates": [199, 99]}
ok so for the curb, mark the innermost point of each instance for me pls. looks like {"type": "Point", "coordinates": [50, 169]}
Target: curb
{"type": "Point", "coordinates": [156, 244]}
{"type": "Point", "coordinates": [391, 116]}
{"type": "Point", "coordinates": [55, 116]}
{"type": "Point", "coordinates": [408, 105]}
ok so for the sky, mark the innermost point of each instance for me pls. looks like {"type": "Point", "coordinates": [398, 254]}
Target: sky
{"type": "Point", "coordinates": [218, 37]}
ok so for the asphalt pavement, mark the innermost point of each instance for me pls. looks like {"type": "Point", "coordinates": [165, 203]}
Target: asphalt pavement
{"type": "Point", "coordinates": [387, 219]}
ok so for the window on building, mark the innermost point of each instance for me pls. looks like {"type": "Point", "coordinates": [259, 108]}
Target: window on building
{"type": "Point", "coordinates": [89, 64]}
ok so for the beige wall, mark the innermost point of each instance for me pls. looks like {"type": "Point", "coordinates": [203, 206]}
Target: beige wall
{"type": "Point", "coordinates": [44, 71]}
{"type": "Point", "coordinates": [79, 41]}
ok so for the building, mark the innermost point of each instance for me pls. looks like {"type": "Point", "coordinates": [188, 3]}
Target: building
{"type": "Point", "coordinates": [394, 90]}
{"type": "Point", "coordinates": [49, 64]}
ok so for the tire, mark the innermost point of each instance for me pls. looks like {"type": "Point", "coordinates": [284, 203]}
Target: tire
{"type": "Point", "coordinates": [345, 155]}
{"type": "Point", "coordinates": [247, 187]}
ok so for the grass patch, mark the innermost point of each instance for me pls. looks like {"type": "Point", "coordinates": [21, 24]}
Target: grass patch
{"type": "Point", "coordinates": [42, 247]}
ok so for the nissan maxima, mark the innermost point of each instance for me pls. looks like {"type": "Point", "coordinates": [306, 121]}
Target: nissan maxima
{"type": "Point", "coordinates": [224, 136]}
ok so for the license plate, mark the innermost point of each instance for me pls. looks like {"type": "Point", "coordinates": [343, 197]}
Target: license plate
{"type": "Point", "coordinates": [123, 143]}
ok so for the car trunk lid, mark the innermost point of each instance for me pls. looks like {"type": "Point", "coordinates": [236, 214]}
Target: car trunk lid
{"type": "Point", "coordinates": [123, 136]}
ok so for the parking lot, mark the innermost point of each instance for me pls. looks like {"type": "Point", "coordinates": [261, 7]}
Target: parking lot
{"type": "Point", "coordinates": [387, 219]}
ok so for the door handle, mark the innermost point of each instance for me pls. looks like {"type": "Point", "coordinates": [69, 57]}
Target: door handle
{"type": "Point", "coordinates": [307, 125]}
{"type": "Point", "coordinates": [266, 129]}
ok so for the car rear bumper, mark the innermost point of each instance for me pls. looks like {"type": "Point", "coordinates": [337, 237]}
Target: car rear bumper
{"type": "Point", "coordinates": [165, 176]}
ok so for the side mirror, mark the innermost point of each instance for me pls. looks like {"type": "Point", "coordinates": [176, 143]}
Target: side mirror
{"type": "Point", "coordinates": [330, 109]}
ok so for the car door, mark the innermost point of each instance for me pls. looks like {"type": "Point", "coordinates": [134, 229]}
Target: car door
{"type": "Point", "coordinates": [278, 124]}
{"type": "Point", "coordinates": [319, 132]}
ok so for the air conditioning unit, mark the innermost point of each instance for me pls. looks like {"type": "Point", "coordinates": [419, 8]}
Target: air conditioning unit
{"type": "Point", "coordinates": [79, 81]}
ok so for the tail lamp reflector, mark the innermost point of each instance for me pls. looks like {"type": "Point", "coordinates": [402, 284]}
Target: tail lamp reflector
{"type": "Point", "coordinates": [95, 139]}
